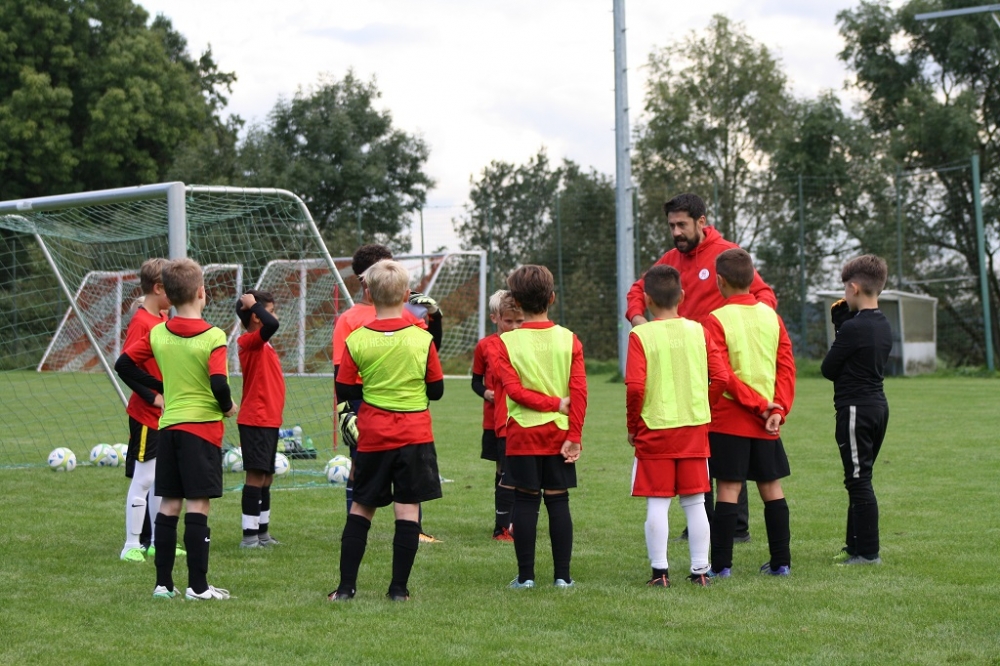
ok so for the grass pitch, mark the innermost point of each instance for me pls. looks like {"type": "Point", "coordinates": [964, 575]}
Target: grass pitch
{"type": "Point", "coordinates": [68, 599]}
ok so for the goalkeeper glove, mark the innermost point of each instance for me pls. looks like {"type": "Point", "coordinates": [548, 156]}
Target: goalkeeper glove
{"type": "Point", "coordinates": [416, 298]}
{"type": "Point", "coordinates": [347, 421]}
{"type": "Point", "coordinates": [839, 313]}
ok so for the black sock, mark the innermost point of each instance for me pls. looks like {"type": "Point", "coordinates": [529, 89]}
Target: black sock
{"type": "Point", "coordinates": [146, 533]}
{"type": "Point", "coordinates": [352, 549]}
{"type": "Point", "coordinates": [404, 550]}
{"type": "Point", "coordinates": [265, 505]}
{"type": "Point", "coordinates": [778, 532]}
{"type": "Point", "coordinates": [526, 508]}
{"type": "Point", "coordinates": [251, 505]}
{"type": "Point", "coordinates": [349, 495]}
{"type": "Point", "coordinates": [197, 539]}
{"type": "Point", "coordinates": [709, 506]}
{"type": "Point", "coordinates": [723, 528]}
{"type": "Point", "coordinates": [560, 533]}
{"type": "Point", "coordinates": [166, 549]}
{"type": "Point", "coordinates": [504, 502]}
{"type": "Point", "coordinates": [866, 527]}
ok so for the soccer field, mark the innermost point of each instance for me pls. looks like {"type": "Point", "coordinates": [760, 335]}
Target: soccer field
{"type": "Point", "coordinates": [68, 599]}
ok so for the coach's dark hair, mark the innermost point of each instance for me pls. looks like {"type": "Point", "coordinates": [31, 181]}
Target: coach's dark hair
{"type": "Point", "coordinates": [368, 255]}
{"type": "Point", "coordinates": [263, 297]}
{"type": "Point", "coordinates": [688, 203]}
{"type": "Point", "coordinates": [532, 287]}
{"type": "Point", "coordinates": [868, 271]}
{"type": "Point", "coordinates": [736, 266]}
{"type": "Point", "coordinates": [662, 283]}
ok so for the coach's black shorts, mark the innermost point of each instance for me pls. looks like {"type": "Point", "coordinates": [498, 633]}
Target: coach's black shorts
{"type": "Point", "coordinates": [494, 448]}
{"type": "Point", "coordinates": [539, 472]}
{"type": "Point", "coordinates": [259, 445]}
{"type": "Point", "coordinates": [737, 458]}
{"type": "Point", "coordinates": [141, 445]}
{"type": "Point", "coordinates": [188, 466]}
{"type": "Point", "coordinates": [407, 475]}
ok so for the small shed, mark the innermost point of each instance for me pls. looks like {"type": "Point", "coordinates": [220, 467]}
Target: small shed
{"type": "Point", "coordinates": [913, 320]}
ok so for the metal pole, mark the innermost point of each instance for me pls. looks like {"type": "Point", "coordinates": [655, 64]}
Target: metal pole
{"type": "Point", "coordinates": [802, 270]}
{"type": "Point", "coordinates": [899, 227]}
{"type": "Point", "coordinates": [623, 183]}
{"type": "Point", "coordinates": [984, 287]}
{"type": "Point", "coordinates": [562, 291]}
{"type": "Point", "coordinates": [176, 221]}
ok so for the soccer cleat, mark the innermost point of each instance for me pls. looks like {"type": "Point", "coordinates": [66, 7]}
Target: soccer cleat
{"type": "Point", "coordinates": [503, 535]}
{"type": "Point", "coordinates": [516, 584]}
{"type": "Point", "coordinates": [725, 572]}
{"type": "Point", "coordinates": [427, 538]}
{"type": "Point", "coordinates": [860, 560]}
{"type": "Point", "coordinates": [133, 555]}
{"type": "Point", "coordinates": [843, 556]}
{"type": "Point", "coordinates": [180, 552]}
{"type": "Point", "coordinates": [210, 593]}
{"type": "Point", "coordinates": [702, 579]}
{"type": "Point", "coordinates": [341, 595]}
{"type": "Point", "coordinates": [267, 540]}
{"type": "Point", "coordinates": [161, 592]}
{"type": "Point", "coordinates": [562, 583]}
{"type": "Point", "coordinates": [659, 581]}
{"type": "Point", "coordinates": [251, 542]}
{"type": "Point", "coordinates": [398, 595]}
{"type": "Point", "coordinates": [783, 570]}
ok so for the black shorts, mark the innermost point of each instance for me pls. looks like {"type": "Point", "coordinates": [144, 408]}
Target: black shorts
{"type": "Point", "coordinates": [494, 448]}
{"type": "Point", "coordinates": [188, 466]}
{"type": "Point", "coordinates": [259, 445]}
{"type": "Point", "coordinates": [407, 475]}
{"type": "Point", "coordinates": [539, 472]}
{"type": "Point", "coordinates": [736, 458]}
{"type": "Point", "coordinates": [141, 445]}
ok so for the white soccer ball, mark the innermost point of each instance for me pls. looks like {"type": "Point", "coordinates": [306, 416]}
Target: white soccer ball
{"type": "Point", "coordinates": [62, 460]}
{"type": "Point", "coordinates": [281, 465]}
{"type": "Point", "coordinates": [232, 460]}
{"type": "Point", "coordinates": [104, 455]}
{"type": "Point", "coordinates": [338, 470]}
{"type": "Point", "coordinates": [122, 450]}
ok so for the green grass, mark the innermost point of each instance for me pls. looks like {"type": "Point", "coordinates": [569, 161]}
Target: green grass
{"type": "Point", "coordinates": [67, 599]}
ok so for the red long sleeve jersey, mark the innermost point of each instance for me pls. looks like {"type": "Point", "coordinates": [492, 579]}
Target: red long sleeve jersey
{"type": "Point", "coordinates": [742, 415]}
{"type": "Point", "coordinates": [142, 323]}
{"type": "Point", "coordinates": [483, 363]}
{"type": "Point", "coordinates": [545, 439]}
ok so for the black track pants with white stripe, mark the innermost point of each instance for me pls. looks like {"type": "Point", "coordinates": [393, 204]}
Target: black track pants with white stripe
{"type": "Point", "coordinates": [860, 431]}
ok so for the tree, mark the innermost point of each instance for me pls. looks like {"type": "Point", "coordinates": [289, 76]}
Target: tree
{"type": "Point", "coordinates": [714, 107]}
{"type": "Point", "coordinates": [330, 145]}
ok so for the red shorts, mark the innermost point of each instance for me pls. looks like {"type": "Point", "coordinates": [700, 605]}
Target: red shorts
{"type": "Point", "coordinates": [667, 477]}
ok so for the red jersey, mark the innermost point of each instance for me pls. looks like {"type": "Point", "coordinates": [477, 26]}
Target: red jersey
{"type": "Point", "coordinates": [483, 365]}
{"type": "Point", "coordinates": [142, 323]}
{"type": "Point", "coordinates": [354, 318]}
{"type": "Point", "coordinates": [218, 364]}
{"type": "Point", "coordinates": [546, 439]}
{"type": "Point", "coordinates": [381, 429]}
{"type": "Point", "coordinates": [742, 415]}
{"type": "Point", "coordinates": [697, 269]}
{"type": "Point", "coordinates": [263, 382]}
{"type": "Point", "coordinates": [683, 442]}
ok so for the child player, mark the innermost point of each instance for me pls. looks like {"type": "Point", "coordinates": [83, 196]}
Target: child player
{"type": "Point", "coordinates": [743, 435]}
{"type": "Point", "coordinates": [856, 366]}
{"type": "Point", "coordinates": [673, 376]}
{"type": "Point", "coordinates": [542, 371]}
{"type": "Point", "coordinates": [505, 314]}
{"type": "Point", "coordinates": [144, 407]}
{"type": "Point", "coordinates": [191, 354]}
{"type": "Point", "coordinates": [260, 413]}
{"type": "Point", "coordinates": [396, 461]}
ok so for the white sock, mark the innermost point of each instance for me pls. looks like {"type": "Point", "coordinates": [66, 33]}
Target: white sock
{"type": "Point", "coordinates": [657, 530]}
{"type": "Point", "coordinates": [699, 533]}
{"type": "Point", "coordinates": [135, 502]}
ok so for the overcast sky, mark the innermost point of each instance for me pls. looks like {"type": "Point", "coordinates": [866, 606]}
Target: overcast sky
{"type": "Point", "coordinates": [484, 80]}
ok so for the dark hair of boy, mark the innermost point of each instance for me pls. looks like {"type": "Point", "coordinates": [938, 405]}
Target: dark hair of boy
{"type": "Point", "coordinates": [688, 203]}
{"type": "Point", "coordinates": [868, 271]}
{"type": "Point", "coordinates": [662, 284]}
{"type": "Point", "coordinates": [368, 255]}
{"type": "Point", "coordinates": [262, 297]}
{"type": "Point", "coordinates": [736, 267]}
{"type": "Point", "coordinates": [181, 279]}
{"type": "Point", "coordinates": [532, 286]}
{"type": "Point", "coordinates": [151, 274]}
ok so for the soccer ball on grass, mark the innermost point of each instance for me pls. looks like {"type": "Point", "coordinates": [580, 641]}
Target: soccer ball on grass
{"type": "Point", "coordinates": [338, 470]}
{"type": "Point", "coordinates": [62, 460]}
{"type": "Point", "coordinates": [232, 460]}
{"type": "Point", "coordinates": [281, 465]}
{"type": "Point", "coordinates": [104, 455]}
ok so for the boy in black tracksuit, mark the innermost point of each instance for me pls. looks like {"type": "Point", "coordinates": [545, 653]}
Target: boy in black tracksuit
{"type": "Point", "coordinates": [856, 366]}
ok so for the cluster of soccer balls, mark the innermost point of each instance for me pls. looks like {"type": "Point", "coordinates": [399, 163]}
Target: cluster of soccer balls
{"type": "Point", "coordinates": [63, 459]}
{"type": "Point", "coordinates": [232, 461]}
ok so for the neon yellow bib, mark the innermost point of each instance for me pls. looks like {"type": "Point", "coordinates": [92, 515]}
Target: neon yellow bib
{"type": "Point", "coordinates": [752, 333]}
{"type": "Point", "coordinates": [393, 367]}
{"type": "Point", "coordinates": [542, 358]}
{"type": "Point", "coordinates": [187, 389]}
{"type": "Point", "coordinates": [676, 393]}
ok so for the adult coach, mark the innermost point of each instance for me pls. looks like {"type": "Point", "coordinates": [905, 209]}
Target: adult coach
{"type": "Point", "coordinates": [696, 245]}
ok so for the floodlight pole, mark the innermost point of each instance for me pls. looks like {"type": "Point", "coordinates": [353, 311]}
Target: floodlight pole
{"type": "Point", "coordinates": [984, 287]}
{"type": "Point", "coordinates": [625, 245]}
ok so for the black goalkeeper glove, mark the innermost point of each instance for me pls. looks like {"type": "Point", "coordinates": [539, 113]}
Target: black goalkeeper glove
{"type": "Point", "coordinates": [416, 298]}
{"type": "Point", "coordinates": [839, 313]}
{"type": "Point", "coordinates": [348, 424]}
